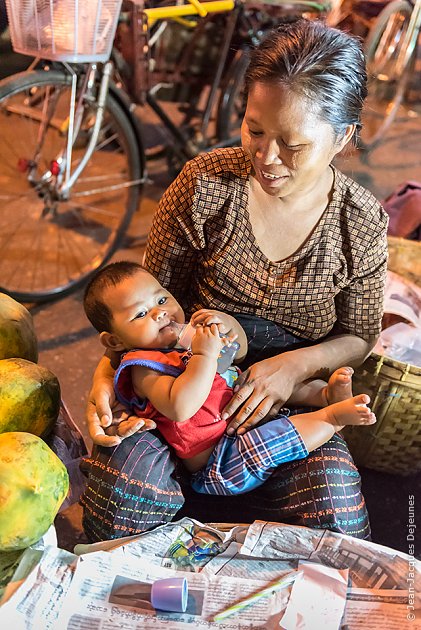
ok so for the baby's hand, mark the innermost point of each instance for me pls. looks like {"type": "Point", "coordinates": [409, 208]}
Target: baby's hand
{"type": "Point", "coordinates": [206, 317]}
{"type": "Point", "coordinates": [207, 341]}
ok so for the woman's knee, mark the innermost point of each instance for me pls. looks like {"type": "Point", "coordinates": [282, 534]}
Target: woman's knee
{"type": "Point", "coordinates": [322, 491]}
{"type": "Point", "coordinates": [327, 488]}
{"type": "Point", "coordinates": [131, 488]}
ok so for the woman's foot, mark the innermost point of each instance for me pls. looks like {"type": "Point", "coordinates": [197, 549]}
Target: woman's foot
{"type": "Point", "coordinates": [353, 411]}
{"type": "Point", "coordinates": [339, 386]}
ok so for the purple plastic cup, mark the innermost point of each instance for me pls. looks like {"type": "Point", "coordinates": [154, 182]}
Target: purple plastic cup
{"type": "Point", "coordinates": [170, 594]}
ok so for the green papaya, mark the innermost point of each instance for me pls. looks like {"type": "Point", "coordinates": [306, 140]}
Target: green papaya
{"type": "Point", "coordinates": [17, 334]}
{"type": "Point", "coordinates": [29, 397]}
{"type": "Point", "coordinates": [33, 485]}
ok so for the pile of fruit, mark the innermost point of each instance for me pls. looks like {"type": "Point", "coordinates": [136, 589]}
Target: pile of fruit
{"type": "Point", "coordinates": [33, 481]}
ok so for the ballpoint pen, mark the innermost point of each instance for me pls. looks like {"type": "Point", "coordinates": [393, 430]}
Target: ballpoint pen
{"type": "Point", "coordinates": [268, 590]}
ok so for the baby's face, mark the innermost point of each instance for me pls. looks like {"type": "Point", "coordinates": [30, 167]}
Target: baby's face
{"type": "Point", "coordinates": [143, 311]}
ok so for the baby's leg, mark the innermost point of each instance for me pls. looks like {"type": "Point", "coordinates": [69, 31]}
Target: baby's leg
{"type": "Point", "coordinates": [241, 463]}
{"type": "Point", "coordinates": [318, 393]}
{"type": "Point", "coordinates": [318, 427]}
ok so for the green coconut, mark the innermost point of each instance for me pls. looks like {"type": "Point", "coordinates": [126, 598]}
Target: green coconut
{"type": "Point", "coordinates": [17, 334]}
{"type": "Point", "coordinates": [29, 397]}
{"type": "Point", "coordinates": [33, 485]}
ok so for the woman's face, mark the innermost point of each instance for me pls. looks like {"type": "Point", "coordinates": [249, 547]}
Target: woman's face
{"type": "Point", "coordinates": [289, 144]}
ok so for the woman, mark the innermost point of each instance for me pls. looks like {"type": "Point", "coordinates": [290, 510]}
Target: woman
{"type": "Point", "coordinates": [276, 236]}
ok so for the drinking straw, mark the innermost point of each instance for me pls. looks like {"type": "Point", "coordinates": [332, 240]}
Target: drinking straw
{"type": "Point", "coordinates": [268, 590]}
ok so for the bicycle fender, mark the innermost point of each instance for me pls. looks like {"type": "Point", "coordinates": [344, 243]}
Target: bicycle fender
{"type": "Point", "coordinates": [127, 105]}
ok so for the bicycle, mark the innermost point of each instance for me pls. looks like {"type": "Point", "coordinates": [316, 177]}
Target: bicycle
{"type": "Point", "coordinates": [391, 50]}
{"type": "Point", "coordinates": [70, 188]}
{"type": "Point", "coordinates": [354, 16]}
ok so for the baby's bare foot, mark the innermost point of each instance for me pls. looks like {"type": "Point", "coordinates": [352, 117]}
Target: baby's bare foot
{"type": "Point", "coordinates": [353, 411]}
{"type": "Point", "coordinates": [339, 386]}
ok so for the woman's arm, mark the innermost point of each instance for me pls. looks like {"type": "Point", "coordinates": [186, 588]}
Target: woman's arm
{"type": "Point", "coordinates": [267, 385]}
{"type": "Point", "coordinates": [173, 240]}
{"type": "Point", "coordinates": [108, 422]}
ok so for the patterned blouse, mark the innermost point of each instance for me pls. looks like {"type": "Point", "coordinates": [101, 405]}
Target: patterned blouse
{"type": "Point", "coordinates": [201, 246]}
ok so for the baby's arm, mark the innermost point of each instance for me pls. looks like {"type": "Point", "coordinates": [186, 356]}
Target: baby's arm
{"type": "Point", "coordinates": [180, 398]}
{"type": "Point", "coordinates": [227, 326]}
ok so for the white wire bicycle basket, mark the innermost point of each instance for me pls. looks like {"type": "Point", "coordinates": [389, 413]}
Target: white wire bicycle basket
{"type": "Point", "coordinates": [64, 30]}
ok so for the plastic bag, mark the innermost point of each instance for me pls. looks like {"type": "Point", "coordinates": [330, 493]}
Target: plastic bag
{"type": "Point", "coordinates": [401, 342]}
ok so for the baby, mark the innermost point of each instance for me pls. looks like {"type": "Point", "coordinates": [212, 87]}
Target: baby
{"type": "Point", "coordinates": [183, 393]}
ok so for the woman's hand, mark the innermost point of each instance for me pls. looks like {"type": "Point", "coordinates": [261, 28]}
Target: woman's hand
{"type": "Point", "coordinates": [108, 421]}
{"type": "Point", "coordinates": [260, 391]}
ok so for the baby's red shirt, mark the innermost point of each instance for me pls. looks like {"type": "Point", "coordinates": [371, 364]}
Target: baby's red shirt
{"type": "Point", "coordinates": [192, 436]}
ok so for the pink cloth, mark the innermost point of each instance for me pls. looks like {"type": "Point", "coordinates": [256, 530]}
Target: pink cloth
{"type": "Point", "coordinates": [404, 209]}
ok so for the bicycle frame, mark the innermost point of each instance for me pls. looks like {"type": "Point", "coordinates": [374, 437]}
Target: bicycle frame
{"type": "Point", "coordinates": [142, 18]}
{"type": "Point", "coordinates": [70, 179]}
{"type": "Point", "coordinates": [143, 90]}
{"type": "Point", "coordinates": [411, 38]}
{"type": "Point", "coordinates": [187, 146]}
{"type": "Point", "coordinates": [199, 8]}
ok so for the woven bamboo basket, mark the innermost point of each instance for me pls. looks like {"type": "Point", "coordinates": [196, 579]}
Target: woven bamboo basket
{"type": "Point", "coordinates": [393, 444]}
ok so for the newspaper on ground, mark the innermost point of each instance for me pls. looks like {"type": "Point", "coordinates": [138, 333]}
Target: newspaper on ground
{"type": "Point", "coordinates": [318, 598]}
{"type": "Point", "coordinates": [120, 592]}
{"type": "Point", "coordinates": [384, 589]}
{"type": "Point", "coordinates": [15, 566]}
{"type": "Point", "coordinates": [102, 590]}
{"type": "Point", "coordinates": [380, 609]}
{"type": "Point", "coordinates": [35, 603]}
{"type": "Point", "coordinates": [185, 545]}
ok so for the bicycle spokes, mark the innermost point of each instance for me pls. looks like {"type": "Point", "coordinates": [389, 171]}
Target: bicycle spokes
{"type": "Point", "coordinates": [51, 240]}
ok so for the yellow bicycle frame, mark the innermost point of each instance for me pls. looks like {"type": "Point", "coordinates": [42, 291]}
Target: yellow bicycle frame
{"type": "Point", "coordinates": [193, 8]}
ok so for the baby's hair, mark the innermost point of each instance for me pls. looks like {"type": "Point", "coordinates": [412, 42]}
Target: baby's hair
{"type": "Point", "coordinates": [96, 310]}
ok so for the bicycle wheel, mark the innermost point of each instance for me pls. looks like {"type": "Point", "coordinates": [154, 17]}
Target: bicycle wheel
{"type": "Point", "coordinates": [50, 246]}
{"type": "Point", "coordinates": [386, 81]}
{"type": "Point", "coordinates": [232, 105]}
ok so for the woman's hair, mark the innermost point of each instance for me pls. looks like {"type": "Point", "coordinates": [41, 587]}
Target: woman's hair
{"type": "Point", "coordinates": [322, 63]}
{"type": "Point", "coordinates": [97, 311]}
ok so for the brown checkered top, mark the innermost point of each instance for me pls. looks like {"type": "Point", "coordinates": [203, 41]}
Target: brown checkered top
{"type": "Point", "coordinates": [201, 246]}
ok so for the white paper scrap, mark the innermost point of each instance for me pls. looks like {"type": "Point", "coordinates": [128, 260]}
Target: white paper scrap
{"type": "Point", "coordinates": [317, 598]}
